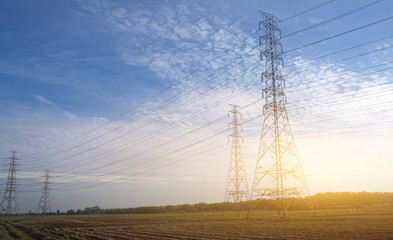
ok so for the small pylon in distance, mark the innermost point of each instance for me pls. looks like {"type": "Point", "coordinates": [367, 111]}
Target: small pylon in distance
{"type": "Point", "coordinates": [44, 206]}
{"type": "Point", "coordinates": [237, 187]}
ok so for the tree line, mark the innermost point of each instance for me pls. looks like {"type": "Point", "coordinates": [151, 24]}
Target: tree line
{"type": "Point", "coordinates": [329, 200]}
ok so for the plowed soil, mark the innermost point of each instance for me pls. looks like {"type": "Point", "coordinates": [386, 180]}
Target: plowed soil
{"type": "Point", "coordinates": [333, 225]}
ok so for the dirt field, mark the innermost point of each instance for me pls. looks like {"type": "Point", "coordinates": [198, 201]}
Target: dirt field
{"type": "Point", "coordinates": [340, 224]}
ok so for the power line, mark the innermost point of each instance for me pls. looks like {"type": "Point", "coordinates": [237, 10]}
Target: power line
{"type": "Point", "coordinates": [130, 110]}
{"type": "Point", "coordinates": [308, 10]}
{"type": "Point", "coordinates": [145, 171]}
{"type": "Point", "coordinates": [345, 59]}
{"type": "Point", "coordinates": [53, 154]}
{"type": "Point", "coordinates": [159, 167]}
{"type": "Point", "coordinates": [335, 18]}
{"type": "Point", "coordinates": [144, 125]}
{"type": "Point", "coordinates": [211, 76]}
{"type": "Point", "coordinates": [344, 50]}
{"type": "Point", "coordinates": [340, 34]}
{"type": "Point", "coordinates": [156, 95]}
{"type": "Point", "coordinates": [149, 137]}
{"type": "Point", "coordinates": [161, 156]}
{"type": "Point", "coordinates": [334, 76]}
{"type": "Point", "coordinates": [156, 158]}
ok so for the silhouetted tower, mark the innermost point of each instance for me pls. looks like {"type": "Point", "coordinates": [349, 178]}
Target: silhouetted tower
{"type": "Point", "coordinates": [237, 187]}
{"type": "Point", "coordinates": [9, 203]}
{"type": "Point", "coordinates": [44, 206]}
{"type": "Point", "coordinates": [278, 173]}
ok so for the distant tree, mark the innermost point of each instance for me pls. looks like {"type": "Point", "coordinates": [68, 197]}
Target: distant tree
{"type": "Point", "coordinates": [202, 207]}
{"type": "Point", "coordinates": [79, 212]}
{"type": "Point", "coordinates": [93, 210]}
{"type": "Point", "coordinates": [187, 208]}
{"type": "Point", "coordinates": [71, 212]}
{"type": "Point", "coordinates": [327, 200]}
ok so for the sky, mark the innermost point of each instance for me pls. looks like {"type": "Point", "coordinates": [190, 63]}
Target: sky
{"type": "Point", "coordinates": [126, 102]}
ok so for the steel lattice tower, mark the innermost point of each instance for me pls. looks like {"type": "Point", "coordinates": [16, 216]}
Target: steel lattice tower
{"type": "Point", "coordinates": [237, 187]}
{"type": "Point", "coordinates": [9, 203]}
{"type": "Point", "coordinates": [278, 173]}
{"type": "Point", "coordinates": [44, 206]}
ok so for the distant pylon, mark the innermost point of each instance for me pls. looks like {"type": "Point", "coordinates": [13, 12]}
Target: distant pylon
{"type": "Point", "coordinates": [237, 187]}
{"type": "Point", "coordinates": [9, 203]}
{"type": "Point", "coordinates": [278, 173]}
{"type": "Point", "coordinates": [44, 206]}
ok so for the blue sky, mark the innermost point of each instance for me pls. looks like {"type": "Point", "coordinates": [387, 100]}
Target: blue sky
{"type": "Point", "coordinates": [67, 67]}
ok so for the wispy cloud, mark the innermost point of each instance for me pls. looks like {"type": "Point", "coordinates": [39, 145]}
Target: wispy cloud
{"type": "Point", "coordinates": [175, 39]}
{"type": "Point", "coordinates": [314, 20]}
{"type": "Point", "coordinates": [44, 100]}
{"type": "Point", "coordinates": [70, 115]}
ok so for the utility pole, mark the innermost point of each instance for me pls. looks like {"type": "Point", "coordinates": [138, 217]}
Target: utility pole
{"type": "Point", "coordinates": [237, 187]}
{"type": "Point", "coordinates": [44, 206]}
{"type": "Point", "coordinates": [278, 172]}
{"type": "Point", "coordinates": [9, 203]}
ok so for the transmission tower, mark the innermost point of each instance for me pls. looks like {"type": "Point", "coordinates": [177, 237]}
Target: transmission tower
{"type": "Point", "coordinates": [44, 206]}
{"type": "Point", "coordinates": [237, 187]}
{"type": "Point", "coordinates": [278, 173]}
{"type": "Point", "coordinates": [9, 203]}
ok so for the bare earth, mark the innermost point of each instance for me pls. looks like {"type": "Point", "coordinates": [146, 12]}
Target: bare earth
{"type": "Point", "coordinates": [326, 225]}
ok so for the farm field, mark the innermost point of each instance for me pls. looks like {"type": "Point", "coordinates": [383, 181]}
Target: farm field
{"type": "Point", "coordinates": [370, 223]}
